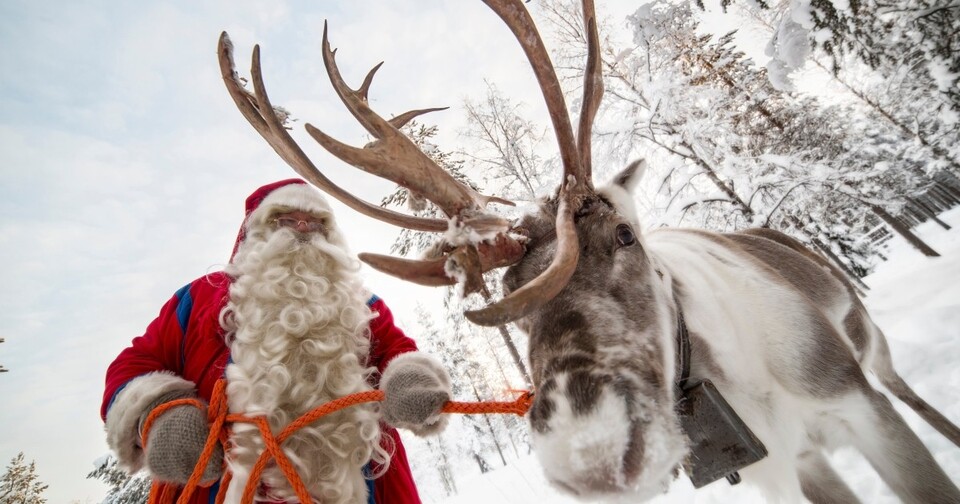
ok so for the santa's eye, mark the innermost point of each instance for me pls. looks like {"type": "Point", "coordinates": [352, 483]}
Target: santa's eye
{"type": "Point", "coordinates": [625, 235]}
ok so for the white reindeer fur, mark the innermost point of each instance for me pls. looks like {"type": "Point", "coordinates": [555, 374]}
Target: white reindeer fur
{"type": "Point", "coordinates": [757, 333]}
{"type": "Point", "coordinates": [591, 447]}
{"type": "Point", "coordinates": [750, 320]}
{"type": "Point", "coordinates": [579, 449]}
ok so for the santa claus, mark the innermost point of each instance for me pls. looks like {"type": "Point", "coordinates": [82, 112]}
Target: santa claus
{"type": "Point", "coordinates": [290, 326]}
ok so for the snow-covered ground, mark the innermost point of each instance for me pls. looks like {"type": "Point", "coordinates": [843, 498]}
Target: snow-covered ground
{"type": "Point", "coordinates": [915, 300]}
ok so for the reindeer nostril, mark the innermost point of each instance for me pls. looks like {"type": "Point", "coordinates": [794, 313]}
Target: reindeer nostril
{"type": "Point", "coordinates": [633, 456]}
{"type": "Point", "coordinates": [543, 407]}
{"type": "Point", "coordinates": [540, 413]}
{"type": "Point", "coordinates": [566, 487]}
{"type": "Point", "coordinates": [584, 389]}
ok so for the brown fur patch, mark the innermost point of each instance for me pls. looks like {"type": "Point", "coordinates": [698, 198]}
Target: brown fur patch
{"type": "Point", "coordinates": [543, 407]}
{"type": "Point", "coordinates": [855, 326]}
{"type": "Point", "coordinates": [702, 362]}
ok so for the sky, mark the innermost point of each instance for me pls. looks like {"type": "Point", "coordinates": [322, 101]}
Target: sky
{"type": "Point", "coordinates": [124, 165]}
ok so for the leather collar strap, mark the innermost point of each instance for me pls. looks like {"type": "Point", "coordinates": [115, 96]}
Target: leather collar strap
{"type": "Point", "coordinates": [683, 349]}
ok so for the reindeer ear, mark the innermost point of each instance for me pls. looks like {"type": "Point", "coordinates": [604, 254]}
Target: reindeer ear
{"type": "Point", "coordinates": [630, 176]}
{"type": "Point", "coordinates": [619, 190]}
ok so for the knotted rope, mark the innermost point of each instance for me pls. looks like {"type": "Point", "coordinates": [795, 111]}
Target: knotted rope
{"type": "Point", "coordinates": [220, 421]}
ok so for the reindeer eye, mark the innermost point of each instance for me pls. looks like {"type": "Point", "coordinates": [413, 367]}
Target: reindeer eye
{"type": "Point", "coordinates": [625, 235]}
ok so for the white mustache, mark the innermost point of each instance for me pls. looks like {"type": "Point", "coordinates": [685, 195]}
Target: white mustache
{"type": "Point", "coordinates": [292, 242]}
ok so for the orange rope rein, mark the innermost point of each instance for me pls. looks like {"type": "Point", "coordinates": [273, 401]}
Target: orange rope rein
{"type": "Point", "coordinates": [163, 493]}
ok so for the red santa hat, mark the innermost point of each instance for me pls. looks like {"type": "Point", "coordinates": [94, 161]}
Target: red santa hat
{"type": "Point", "coordinates": [289, 194]}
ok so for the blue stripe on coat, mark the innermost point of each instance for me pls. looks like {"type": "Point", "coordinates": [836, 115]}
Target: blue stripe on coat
{"type": "Point", "coordinates": [214, 490]}
{"type": "Point", "coordinates": [115, 394]}
{"type": "Point", "coordinates": [373, 299]}
{"type": "Point", "coordinates": [371, 494]}
{"type": "Point", "coordinates": [184, 307]}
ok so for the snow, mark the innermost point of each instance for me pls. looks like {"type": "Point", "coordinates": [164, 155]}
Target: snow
{"type": "Point", "coordinates": [789, 48]}
{"type": "Point", "coordinates": [940, 71]}
{"type": "Point", "coordinates": [914, 299]}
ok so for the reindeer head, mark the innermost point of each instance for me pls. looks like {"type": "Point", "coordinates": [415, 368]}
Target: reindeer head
{"type": "Point", "coordinates": [579, 282]}
{"type": "Point", "coordinates": [601, 353]}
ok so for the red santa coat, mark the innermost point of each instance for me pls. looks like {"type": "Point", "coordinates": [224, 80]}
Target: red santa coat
{"type": "Point", "coordinates": [187, 340]}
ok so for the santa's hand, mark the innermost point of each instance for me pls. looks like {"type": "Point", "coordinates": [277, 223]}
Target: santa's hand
{"type": "Point", "coordinates": [174, 443]}
{"type": "Point", "coordinates": [415, 387]}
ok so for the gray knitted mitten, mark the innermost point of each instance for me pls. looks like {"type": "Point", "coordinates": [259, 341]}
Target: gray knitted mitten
{"type": "Point", "coordinates": [176, 441]}
{"type": "Point", "coordinates": [415, 387]}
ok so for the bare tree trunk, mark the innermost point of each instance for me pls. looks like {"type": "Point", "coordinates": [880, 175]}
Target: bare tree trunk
{"type": "Point", "coordinates": [734, 197]}
{"type": "Point", "coordinates": [486, 418]}
{"type": "Point", "coordinates": [443, 465]}
{"type": "Point", "coordinates": [484, 468]}
{"type": "Point", "coordinates": [903, 231]}
{"type": "Point", "coordinates": [517, 360]}
{"type": "Point", "coordinates": [948, 182]}
{"type": "Point", "coordinates": [825, 249]}
{"type": "Point", "coordinates": [508, 341]}
{"type": "Point", "coordinates": [928, 212]}
{"type": "Point", "coordinates": [944, 198]}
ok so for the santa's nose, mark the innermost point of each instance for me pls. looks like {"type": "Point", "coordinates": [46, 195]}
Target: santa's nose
{"type": "Point", "coordinates": [301, 225]}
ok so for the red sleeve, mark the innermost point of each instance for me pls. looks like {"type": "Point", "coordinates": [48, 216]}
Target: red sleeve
{"type": "Point", "coordinates": [386, 340]}
{"type": "Point", "coordinates": [158, 349]}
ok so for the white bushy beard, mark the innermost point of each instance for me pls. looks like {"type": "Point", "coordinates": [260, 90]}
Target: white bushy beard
{"type": "Point", "coordinates": [297, 327]}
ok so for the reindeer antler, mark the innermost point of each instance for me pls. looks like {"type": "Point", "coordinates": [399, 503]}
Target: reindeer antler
{"type": "Point", "coordinates": [387, 156]}
{"type": "Point", "coordinates": [258, 111]}
{"type": "Point", "coordinates": [575, 156]}
{"type": "Point", "coordinates": [395, 157]}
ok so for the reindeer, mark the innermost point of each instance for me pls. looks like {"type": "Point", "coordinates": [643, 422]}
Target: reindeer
{"type": "Point", "coordinates": [620, 323]}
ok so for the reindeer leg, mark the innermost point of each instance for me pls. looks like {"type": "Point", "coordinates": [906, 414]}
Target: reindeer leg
{"type": "Point", "coordinates": [898, 455]}
{"type": "Point", "coordinates": [883, 368]}
{"type": "Point", "coordinates": [820, 483]}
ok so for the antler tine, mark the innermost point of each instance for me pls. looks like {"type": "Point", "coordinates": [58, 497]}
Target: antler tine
{"type": "Point", "coordinates": [574, 186]}
{"type": "Point", "coordinates": [592, 89]}
{"type": "Point", "coordinates": [393, 156]}
{"type": "Point", "coordinates": [355, 100]}
{"type": "Point", "coordinates": [502, 251]}
{"type": "Point", "coordinates": [365, 86]}
{"type": "Point", "coordinates": [545, 286]}
{"type": "Point", "coordinates": [402, 119]}
{"type": "Point", "coordinates": [258, 111]}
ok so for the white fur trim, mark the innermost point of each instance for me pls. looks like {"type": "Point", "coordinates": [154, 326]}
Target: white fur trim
{"type": "Point", "coordinates": [301, 197]}
{"type": "Point", "coordinates": [123, 419]}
